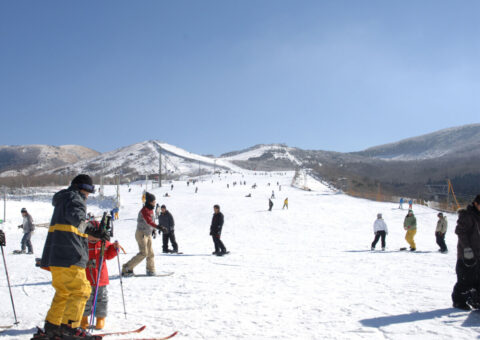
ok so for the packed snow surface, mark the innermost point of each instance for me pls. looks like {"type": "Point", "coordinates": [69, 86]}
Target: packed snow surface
{"type": "Point", "coordinates": [302, 273]}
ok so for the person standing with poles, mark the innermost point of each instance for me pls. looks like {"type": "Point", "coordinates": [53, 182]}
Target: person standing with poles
{"type": "Point", "coordinates": [65, 255]}
{"type": "Point", "coordinates": [3, 243]}
{"type": "Point", "coordinates": [98, 279]}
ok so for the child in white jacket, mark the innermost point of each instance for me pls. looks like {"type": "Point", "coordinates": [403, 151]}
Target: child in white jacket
{"type": "Point", "coordinates": [380, 230]}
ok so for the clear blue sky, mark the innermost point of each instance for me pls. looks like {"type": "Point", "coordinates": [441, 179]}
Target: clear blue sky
{"type": "Point", "coordinates": [217, 76]}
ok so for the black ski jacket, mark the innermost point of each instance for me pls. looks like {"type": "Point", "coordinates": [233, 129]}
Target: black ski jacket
{"type": "Point", "coordinates": [166, 220]}
{"type": "Point", "coordinates": [468, 231]}
{"type": "Point", "coordinates": [66, 244]}
{"type": "Point", "coordinates": [217, 224]}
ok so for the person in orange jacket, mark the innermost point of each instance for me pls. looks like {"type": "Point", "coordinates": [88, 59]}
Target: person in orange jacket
{"type": "Point", "coordinates": [93, 264]}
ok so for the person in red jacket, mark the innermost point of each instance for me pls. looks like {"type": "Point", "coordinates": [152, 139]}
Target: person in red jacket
{"type": "Point", "coordinates": [93, 264]}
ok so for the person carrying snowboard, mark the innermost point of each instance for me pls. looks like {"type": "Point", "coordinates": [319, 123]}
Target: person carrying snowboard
{"type": "Point", "coordinates": [465, 291]}
{"type": "Point", "coordinates": [380, 230]}
{"type": "Point", "coordinates": [165, 220]}
{"type": "Point", "coordinates": [146, 228]}
{"type": "Point", "coordinates": [410, 225]}
{"type": "Point", "coordinates": [216, 231]}
{"type": "Point", "coordinates": [440, 232]}
{"type": "Point", "coordinates": [65, 254]}
{"type": "Point", "coordinates": [270, 204]}
{"type": "Point", "coordinates": [28, 229]}
{"type": "Point", "coordinates": [93, 265]}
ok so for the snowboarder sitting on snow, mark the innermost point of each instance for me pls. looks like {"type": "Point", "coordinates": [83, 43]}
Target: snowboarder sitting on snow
{"type": "Point", "coordinates": [165, 220]}
{"type": "Point", "coordinates": [380, 230]}
{"type": "Point", "coordinates": [93, 264]}
{"type": "Point", "coordinates": [465, 291]}
{"type": "Point", "coordinates": [440, 232]}
{"type": "Point", "coordinates": [28, 229]}
{"type": "Point", "coordinates": [66, 255]}
{"type": "Point", "coordinates": [146, 227]}
{"type": "Point", "coordinates": [410, 225]}
{"type": "Point", "coordinates": [216, 231]}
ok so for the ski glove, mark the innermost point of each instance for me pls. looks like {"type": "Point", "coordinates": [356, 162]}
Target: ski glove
{"type": "Point", "coordinates": [154, 234]}
{"type": "Point", "coordinates": [468, 253]}
{"type": "Point", "coordinates": [2, 239]}
{"type": "Point", "coordinates": [20, 226]}
{"type": "Point", "coordinates": [97, 233]}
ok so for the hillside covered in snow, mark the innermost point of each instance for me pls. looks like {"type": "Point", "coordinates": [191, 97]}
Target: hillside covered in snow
{"type": "Point", "coordinates": [305, 272]}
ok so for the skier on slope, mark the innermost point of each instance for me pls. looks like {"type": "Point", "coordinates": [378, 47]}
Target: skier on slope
{"type": "Point", "coordinates": [66, 255]}
{"type": "Point", "coordinates": [28, 229]}
{"type": "Point", "coordinates": [93, 265]}
{"type": "Point", "coordinates": [380, 230]}
{"type": "Point", "coordinates": [165, 220]}
{"type": "Point", "coordinates": [146, 228]}
{"type": "Point", "coordinates": [216, 231]}
{"type": "Point", "coordinates": [270, 204]}
{"type": "Point", "coordinates": [440, 232]}
{"type": "Point", "coordinates": [285, 203]}
{"type": "Point", "coordinates": [465, 291]}
{"type": "Point", "coordinates": [410, 225]}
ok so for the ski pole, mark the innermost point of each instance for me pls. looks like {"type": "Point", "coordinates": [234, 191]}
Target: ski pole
{"type": "Point", "coordinates": [121, 283]}
{"type": "Point", "coordinates": [105, 221]}
{"type": "Point", "coordinates": [92, 315]}
{"type": "Point", "coordinates": [9, 287]}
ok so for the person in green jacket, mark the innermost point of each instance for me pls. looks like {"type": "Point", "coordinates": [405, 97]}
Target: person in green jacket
{"type": "Point", "coordinates": [410, 225]}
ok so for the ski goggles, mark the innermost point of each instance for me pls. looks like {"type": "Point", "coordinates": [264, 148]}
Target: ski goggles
{"type": "Point", "coordinates": [87, 187]}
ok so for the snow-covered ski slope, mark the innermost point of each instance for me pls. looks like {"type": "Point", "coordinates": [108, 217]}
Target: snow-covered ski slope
{"type": "Point", "coordinates": [302, 273]}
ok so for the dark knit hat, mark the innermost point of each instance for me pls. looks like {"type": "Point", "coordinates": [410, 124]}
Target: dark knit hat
{"type": "Point", "coordinates": [163, 206]}
{"type": "Point", "coordinates": [149, 198]}
{"type": "Point", "coordinates": [216, 206]}
{"type": "Point", "coordinates": [24, 210]}
{"type": "Point", "coordinates": [477, 199]}
{"type": "Point", "coordinates": [83, 182]}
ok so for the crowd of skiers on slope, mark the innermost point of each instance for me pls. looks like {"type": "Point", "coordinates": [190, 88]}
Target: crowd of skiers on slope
{"type": "Point", "coordinates": [466, 292]}
{"type": "Point", "coordinates": [72, 254]}
{"type": "Point", "coordinates": [380, 230]}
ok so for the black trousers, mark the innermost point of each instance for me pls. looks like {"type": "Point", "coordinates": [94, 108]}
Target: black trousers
{"type": "Point", "coordinates": [170, 236]}
{"type": "Point", "coordinates": [468, 277]}
{"type": "Point", "coordinates": [219, 246]}
{"type": "Point", "coordinates": [441, 241]}
{"type": "Point", "coordinates": [379, 234]}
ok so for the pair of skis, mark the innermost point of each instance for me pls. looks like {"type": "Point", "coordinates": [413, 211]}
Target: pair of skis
{"type": "Point", "coordinates": [139, 330]}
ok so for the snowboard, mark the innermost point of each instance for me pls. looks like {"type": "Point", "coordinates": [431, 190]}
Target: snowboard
{"type": "Point", "coordinates": [156, 275]}
{"type": "Point", "coordinates": [221, 254]}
